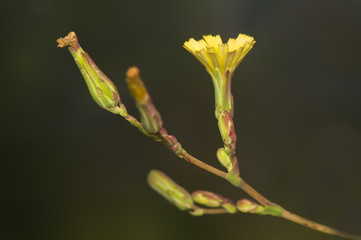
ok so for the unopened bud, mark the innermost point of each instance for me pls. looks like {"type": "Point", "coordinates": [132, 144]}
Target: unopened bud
{"type": "Point", "coordinates": [170, 190]}
{"type": "Point", "coordinates": [206, 198]}
{"type": "Point", "coordinates": [229, 206]}
{"type": "Point", "coordinates": [101, 88]}
{"type": "Point", "coordinates": [248, 206]}
{"type": "Point", "coordinates": [226, 128]}
{"type": "Point", "coordinates": [275, 210]}
{"type": "Point", "coordinates": [213, 200]}
{"type": "Point", "coordinates": [231, 163]}
{"type": "Point", "coordinates": [225, 159]}
{"type": "Point", "coordinates": [150, 117]}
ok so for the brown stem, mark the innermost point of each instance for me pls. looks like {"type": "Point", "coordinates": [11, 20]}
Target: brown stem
{"type": "Point", "coordinates": [244, 186]}
{"type": "Point", "coordinates": [263, 200]}
{"type": "Point", "coordinates": [189, 158]}
{"type": "Point", "coordinates": [256, 195]}
{"type": "Point", "coordinates": [213, 211]}
{"type": "Point", "coordinates": [172, 144]}
{"type": "Point", "coordinates": [318, 227]}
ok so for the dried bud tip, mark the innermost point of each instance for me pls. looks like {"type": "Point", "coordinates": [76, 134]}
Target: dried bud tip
{"type": "Point", "coordinates": [136, 85]}
{"type": "Point", "coordinates": [132, 72]}
{"type": "Point", "coordinates": [70, 40]}
{"type": "Point", "coordinates": [150, 117]}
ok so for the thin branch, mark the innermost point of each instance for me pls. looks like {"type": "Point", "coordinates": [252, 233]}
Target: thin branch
{"type": "Point", "coordinates": [189, 158]}
{"type": "Point", "coordinates": [213, 211]}
{"type": "Point", "coordinates": [171, 143]}
{"type": "Point", "coordinates": [317, 226]}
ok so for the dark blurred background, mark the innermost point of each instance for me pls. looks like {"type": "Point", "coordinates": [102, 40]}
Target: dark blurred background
{"type": "Point", "coordinates": [71, 170]}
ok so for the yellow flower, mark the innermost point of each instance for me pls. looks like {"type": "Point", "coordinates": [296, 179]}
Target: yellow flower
{"type": "Point", "coordinates": [213, 53]}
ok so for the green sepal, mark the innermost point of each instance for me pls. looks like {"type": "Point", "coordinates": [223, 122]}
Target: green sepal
{"type": "Point", "coordinates": [217, 81]}
{"type": "Point", "coordinates": [197, 212]}
{"type": "Point", "coordinates": [149, 116]}
{"type": "Point", "coordinates": [229, 206]}
{"type": "Point", "coordinates": [123, 111]}
{"type": "Point", "coordinates": [222, 90]}
{"type": "Point", "coordinates": [234, 178]}
{"type": "Point", "coordinates": [276, 211]}
{"type": "Point", "coordinates": [248, 206]}
{"type": "Point", "coordinates": [213, 200]}
{"type": "Point", "coordinates": [226, 98]}
{"type": "Point", "coordinates": [224, 158]}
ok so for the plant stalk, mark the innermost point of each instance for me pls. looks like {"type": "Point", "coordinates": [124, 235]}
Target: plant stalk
{"type": "Point", "coordinates": [244, 186]}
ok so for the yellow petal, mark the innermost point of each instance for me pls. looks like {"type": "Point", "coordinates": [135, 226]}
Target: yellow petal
{"type": "Point", "coordinates": [213, 53]}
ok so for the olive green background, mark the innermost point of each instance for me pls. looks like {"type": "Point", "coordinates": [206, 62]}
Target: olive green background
{"type": "Point", "coordinates": [70, 170]}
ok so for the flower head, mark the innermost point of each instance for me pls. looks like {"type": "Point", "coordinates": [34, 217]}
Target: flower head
{"type": "Point", "coordinates": [220, 60]}
{"type": "Point", "coordinates": [213, 53]}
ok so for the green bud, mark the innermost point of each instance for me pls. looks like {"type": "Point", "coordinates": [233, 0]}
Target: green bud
{"type": "Point", "coordinates": [231, 164]}
{"type": "Point", "coordinates": [206, 198]}
{"type": "Point", "coordinates": [171, 191]}
{"type": "Point", "coordinates": [234, 178]}
{"type": "Point", "coordinates": [150, 117]}
{"type": "Point", "coordinates": [101, 88]}
{"type": "Point", "coordinates": [229, 206]}
{"type": "Point", "coordinates": [224, 159]}
{"type": "Point", "coordinates": [213, 200]}
{"type": "Point", "coordinates": [248, 206]}
{"type": "Point", "coordinates": [276, 211]}
{"type": "Point", "coordinates": [226, 128]}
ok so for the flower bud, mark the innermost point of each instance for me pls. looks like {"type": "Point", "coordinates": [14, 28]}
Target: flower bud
{"type": "Point", "coordinates": [206, 198]}
{"type": "Point", "coordinates": [274, 210]}
{"type": "Point", "coordinates": [150, 117]}
{"type": "Point", "coordinates": [248, 206]}
{"type": "Point", "coordinates": [101, 88]}
{"type": "Point", "coordinates": [229, 206]}
{"type": "Point", "coordinates": [171, 191]}
{"type": "Point", "coordinates": [231, 163]}
{"type": "Point", "coordinates": [224, 159]}
{"type": "Point", "coordinates": [220, 60]}
{"type": "Point", "coordinates": [213, 200]}
{"type": "Point", "coordinates": [226, 128]}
